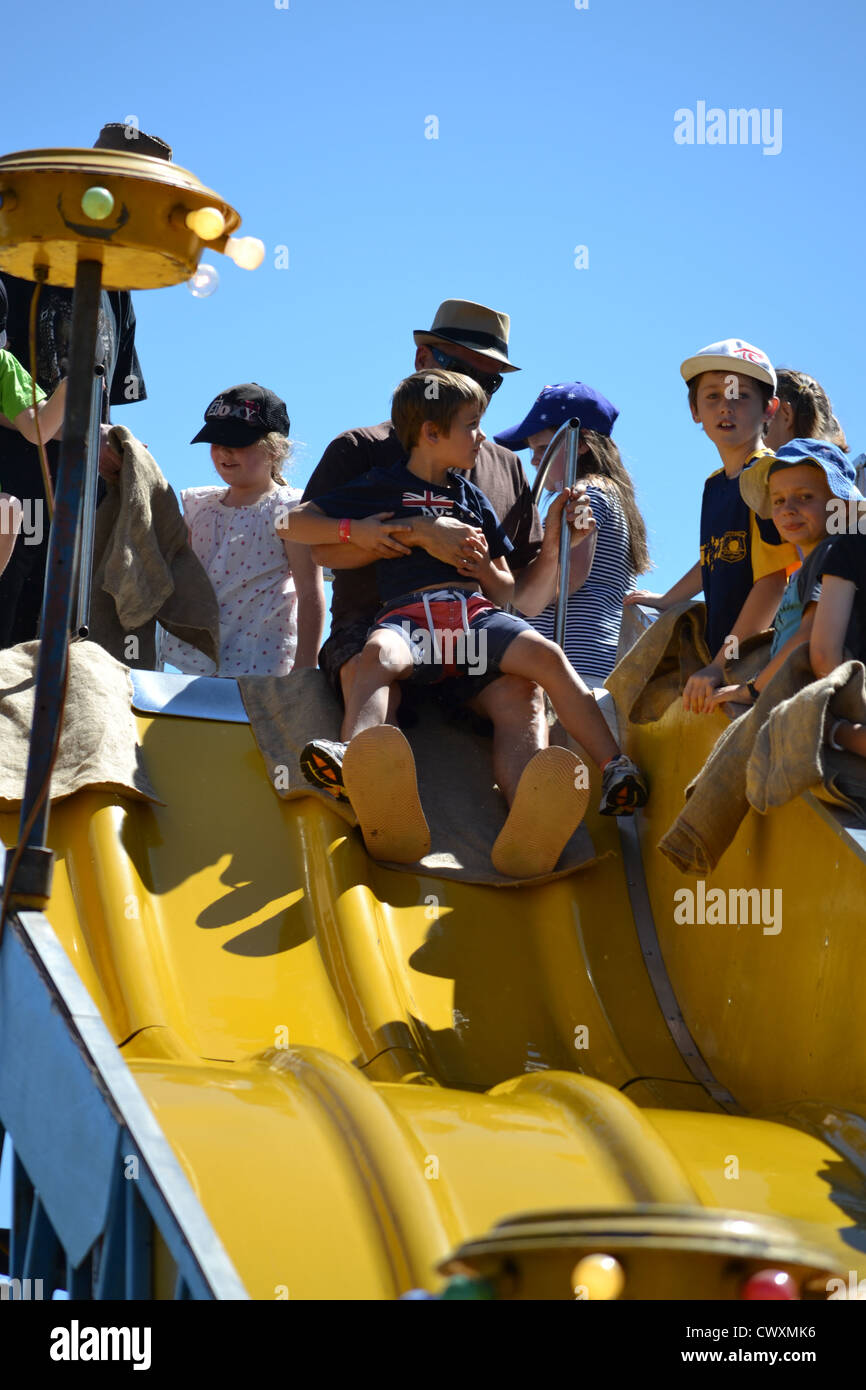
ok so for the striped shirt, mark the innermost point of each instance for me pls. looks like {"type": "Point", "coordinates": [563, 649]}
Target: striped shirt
{"type": "Point", "coordinates": [594, 611]}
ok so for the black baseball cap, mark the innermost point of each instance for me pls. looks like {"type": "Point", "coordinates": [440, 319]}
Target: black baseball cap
{"type": "Point", "coordinates": [241, 415]}
{"type": "Point", "coordinates": [4, 313]}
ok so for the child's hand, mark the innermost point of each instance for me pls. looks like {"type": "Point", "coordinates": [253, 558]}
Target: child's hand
{"type": "Point", "coordinates": [377, 533]}
{"type": "Point", "coordinates": [579, 517]}
{"type": "Point", "coordinates": [109, 460]}
{"type": "Point", "coordinates": [698, 692]}
{"type": "Point", "coordinates": [646, 599]}
{"type": "Point", "coordinates": [475, 555]}
{"type": "Point", "coordinates": [731, 694]}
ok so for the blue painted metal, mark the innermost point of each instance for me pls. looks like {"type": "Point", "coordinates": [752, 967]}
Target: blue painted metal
{"type": "Point", "coordinates": [95, 1119]}
{"type": "Point", "coordinates": [64, 1134]}
{"type": "Point", "coordinates": [190, 697]}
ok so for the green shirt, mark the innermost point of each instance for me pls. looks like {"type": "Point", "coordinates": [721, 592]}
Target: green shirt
{"type": "Point", "coordinates": [16, 386]}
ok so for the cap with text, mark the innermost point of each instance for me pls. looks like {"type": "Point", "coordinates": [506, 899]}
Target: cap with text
{"type": "Point", "coordinates": [731, 355]}
{"type": "Point", "coordinates": [241, 415]}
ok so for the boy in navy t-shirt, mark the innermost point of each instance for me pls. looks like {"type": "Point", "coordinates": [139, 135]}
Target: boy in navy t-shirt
{"type": "Point", "coordinates": [439, 621]}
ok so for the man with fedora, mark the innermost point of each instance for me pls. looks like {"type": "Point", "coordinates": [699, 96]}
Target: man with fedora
{"type": "Point", "coordinates": [22, 583]}
{"type": "Point", "coordinates": [469, 338]}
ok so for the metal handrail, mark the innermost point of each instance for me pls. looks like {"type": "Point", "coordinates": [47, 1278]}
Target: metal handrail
{"type": "Point", "coordinates": [87, 518]}
{"type": "Point", "coordinates": [571, 431]}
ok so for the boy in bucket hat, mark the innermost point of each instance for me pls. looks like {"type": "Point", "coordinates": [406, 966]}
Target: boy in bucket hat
{"type": "Point", "coordinates": [796, 489]}
{"type": "Point", "coordinates": [732, 394]}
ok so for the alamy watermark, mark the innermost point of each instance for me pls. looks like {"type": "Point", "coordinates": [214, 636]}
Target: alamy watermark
{"type": "Point", "coordinates": [757, 907]}
{"type": "Point", "coordinates": [25, 518]}
{"type": "Point", "coordinates": [736, 126]}
{"type": "Point", "coordinates": [446, 647]}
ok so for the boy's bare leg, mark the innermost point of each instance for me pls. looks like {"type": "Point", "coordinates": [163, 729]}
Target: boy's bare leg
{"type": "Point", "coordinates": [348, 675]}
{"type": "Point", "coordinates": [533, 657]}
{"type": "Point", "coordinates": [378, 766]}
{"type": "Point", "coordinates": [515, 707]}
{"type": "Point", "coordinates": [385, 659]}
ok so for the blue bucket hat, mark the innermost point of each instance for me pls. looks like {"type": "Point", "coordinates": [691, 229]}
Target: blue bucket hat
{"type": "Point", "coordinates": [838, 468]}
{"type": "Point", "coordinates": [554, 406]}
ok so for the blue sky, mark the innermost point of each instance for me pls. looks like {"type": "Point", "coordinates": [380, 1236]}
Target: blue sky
{"type": "Point", "coordinates": [556, 129]}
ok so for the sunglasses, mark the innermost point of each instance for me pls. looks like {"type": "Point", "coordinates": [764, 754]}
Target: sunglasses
{"type": "Point", "coordinates": [489, 382]}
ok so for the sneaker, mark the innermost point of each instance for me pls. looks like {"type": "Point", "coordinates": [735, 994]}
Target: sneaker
{"type": "Point", "coordinates": [322, 764]}
{"type": "Point", "coordinates": [623, 788]}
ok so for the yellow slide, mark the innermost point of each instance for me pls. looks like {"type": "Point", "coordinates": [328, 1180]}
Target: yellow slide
{"type": "Point", "coordinates": [376, 1083]}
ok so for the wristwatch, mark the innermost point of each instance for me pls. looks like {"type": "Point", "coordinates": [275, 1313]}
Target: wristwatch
{"type": "Point", "coordinates": [753, 689]}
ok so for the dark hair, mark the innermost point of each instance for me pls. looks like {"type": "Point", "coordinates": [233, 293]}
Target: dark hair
{"type": "Point", "coordinates": [602, 460]}
{"type": "Point", "coordinates": [813, 413]}
{"type": "Point", "coordinates": [766, 391]}
{"type": "Point", "coordinates": [432, 395]}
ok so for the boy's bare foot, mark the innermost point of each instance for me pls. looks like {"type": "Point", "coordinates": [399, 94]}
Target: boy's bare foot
{"type": "Point", "coordinates": [550, 802]}
{"type": "Point", "coordinates": [380, 780]}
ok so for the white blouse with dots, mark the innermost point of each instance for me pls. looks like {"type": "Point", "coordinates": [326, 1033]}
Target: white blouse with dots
{"type": "Point", "coordinates": [248, 568]}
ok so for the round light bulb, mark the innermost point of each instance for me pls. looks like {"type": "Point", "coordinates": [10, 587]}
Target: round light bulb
{"type": "Point", "coordinates": [602, 1276]}
{"type": "Point", "coordinates": [769, 1286]}
{"type": "Point", "coordinates": [203, 283]}
{"type": "Point", "coordinates": [207, 223]}
{"type": "Point", "coordinates": [97, 204]}
{"type": "Point", "coordinates": [246, 251]}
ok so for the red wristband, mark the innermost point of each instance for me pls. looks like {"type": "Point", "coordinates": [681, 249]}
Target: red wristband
{"type": "Point", "coordinates": [344, 530]}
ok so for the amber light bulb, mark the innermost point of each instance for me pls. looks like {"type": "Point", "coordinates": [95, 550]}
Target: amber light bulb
{"type": "Point", "coordinates": [207, 223]}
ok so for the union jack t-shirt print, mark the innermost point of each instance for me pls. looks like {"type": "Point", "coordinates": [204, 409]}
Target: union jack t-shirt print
{"type": "Point", "coordinates": [428, 502]}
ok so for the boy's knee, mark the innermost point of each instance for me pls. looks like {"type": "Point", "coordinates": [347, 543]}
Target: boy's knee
{"type": "Point", "coordinates": [381, 658]}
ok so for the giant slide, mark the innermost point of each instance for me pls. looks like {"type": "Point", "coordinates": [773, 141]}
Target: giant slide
{"type": "Point", "coordinates": [239, 1059]}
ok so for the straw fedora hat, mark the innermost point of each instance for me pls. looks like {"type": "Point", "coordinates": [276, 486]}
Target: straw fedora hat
{"type": "Point", "coordinates": [471, 326]}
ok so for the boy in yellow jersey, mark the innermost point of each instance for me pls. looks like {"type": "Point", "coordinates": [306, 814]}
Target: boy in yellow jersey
{"type": "Point", "coordinates": [732, 394]}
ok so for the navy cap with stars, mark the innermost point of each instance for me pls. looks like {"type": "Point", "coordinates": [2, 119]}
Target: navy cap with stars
{"type": "Point", "coordinates": [559, 403]}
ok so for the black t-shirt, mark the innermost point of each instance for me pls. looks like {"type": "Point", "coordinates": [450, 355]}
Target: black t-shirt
{"type": "Point", "coordinates": [20, 471]}
{"type": "Point", "coordinates": [356, 597]}
{"type": "Point", "coordinates": [846, 558]}
{"type": "Point", "coordinates": [403, 493]}
{"type": "Point", "coordinates": [115, 337]}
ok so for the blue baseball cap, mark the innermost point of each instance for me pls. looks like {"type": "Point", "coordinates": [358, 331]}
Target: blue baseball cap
{"type": "Point", "coordinates": [820, 453]}
{"type": "Point", "coordinates": [554, 406]}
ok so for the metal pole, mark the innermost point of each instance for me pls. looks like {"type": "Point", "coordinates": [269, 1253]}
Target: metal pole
{"type": "Point", "coordinates": [572, 440]}
{"type": "Point", "coordinates": [57, 604]}
{"type": "Point", "coordinates": [88, 512]}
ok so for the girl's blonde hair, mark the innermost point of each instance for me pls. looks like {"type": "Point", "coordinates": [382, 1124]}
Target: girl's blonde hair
{"type": "Point", "coordinates": [280, 449]}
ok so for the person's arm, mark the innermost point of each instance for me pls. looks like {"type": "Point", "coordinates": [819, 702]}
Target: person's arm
{"type": "Point", "coordinates": [827, 644]}
{"type": "Point", "coordinates": [685, 588]}
{"type": "Point", "coordinates": [311, 602]}
{"type": "Point", "coordinates": [443, 537]}
{"type": "Point", "coordinates": [740, 694]}
{"type": "Point", "coordinates": [496, 580]}
{"type": "Point", "coordinates": [536, 585]}
{"type": "Point", "coordinates": [306, 525]}
{"type": "Point", "coordinates": [50, 417]}
{"type": "Point", "coordinates": [756, 615]}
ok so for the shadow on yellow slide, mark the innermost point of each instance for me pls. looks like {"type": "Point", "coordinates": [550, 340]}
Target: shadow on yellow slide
{"type": "Point", "coordinates": [366, 1074]}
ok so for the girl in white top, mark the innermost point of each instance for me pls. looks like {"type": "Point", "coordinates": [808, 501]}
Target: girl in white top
{"type": "Point", "coordinates": [271, 595]}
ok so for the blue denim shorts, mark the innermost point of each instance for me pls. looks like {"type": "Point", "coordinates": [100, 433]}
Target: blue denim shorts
{"type": "Point", "coordinates": [451, 634]}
